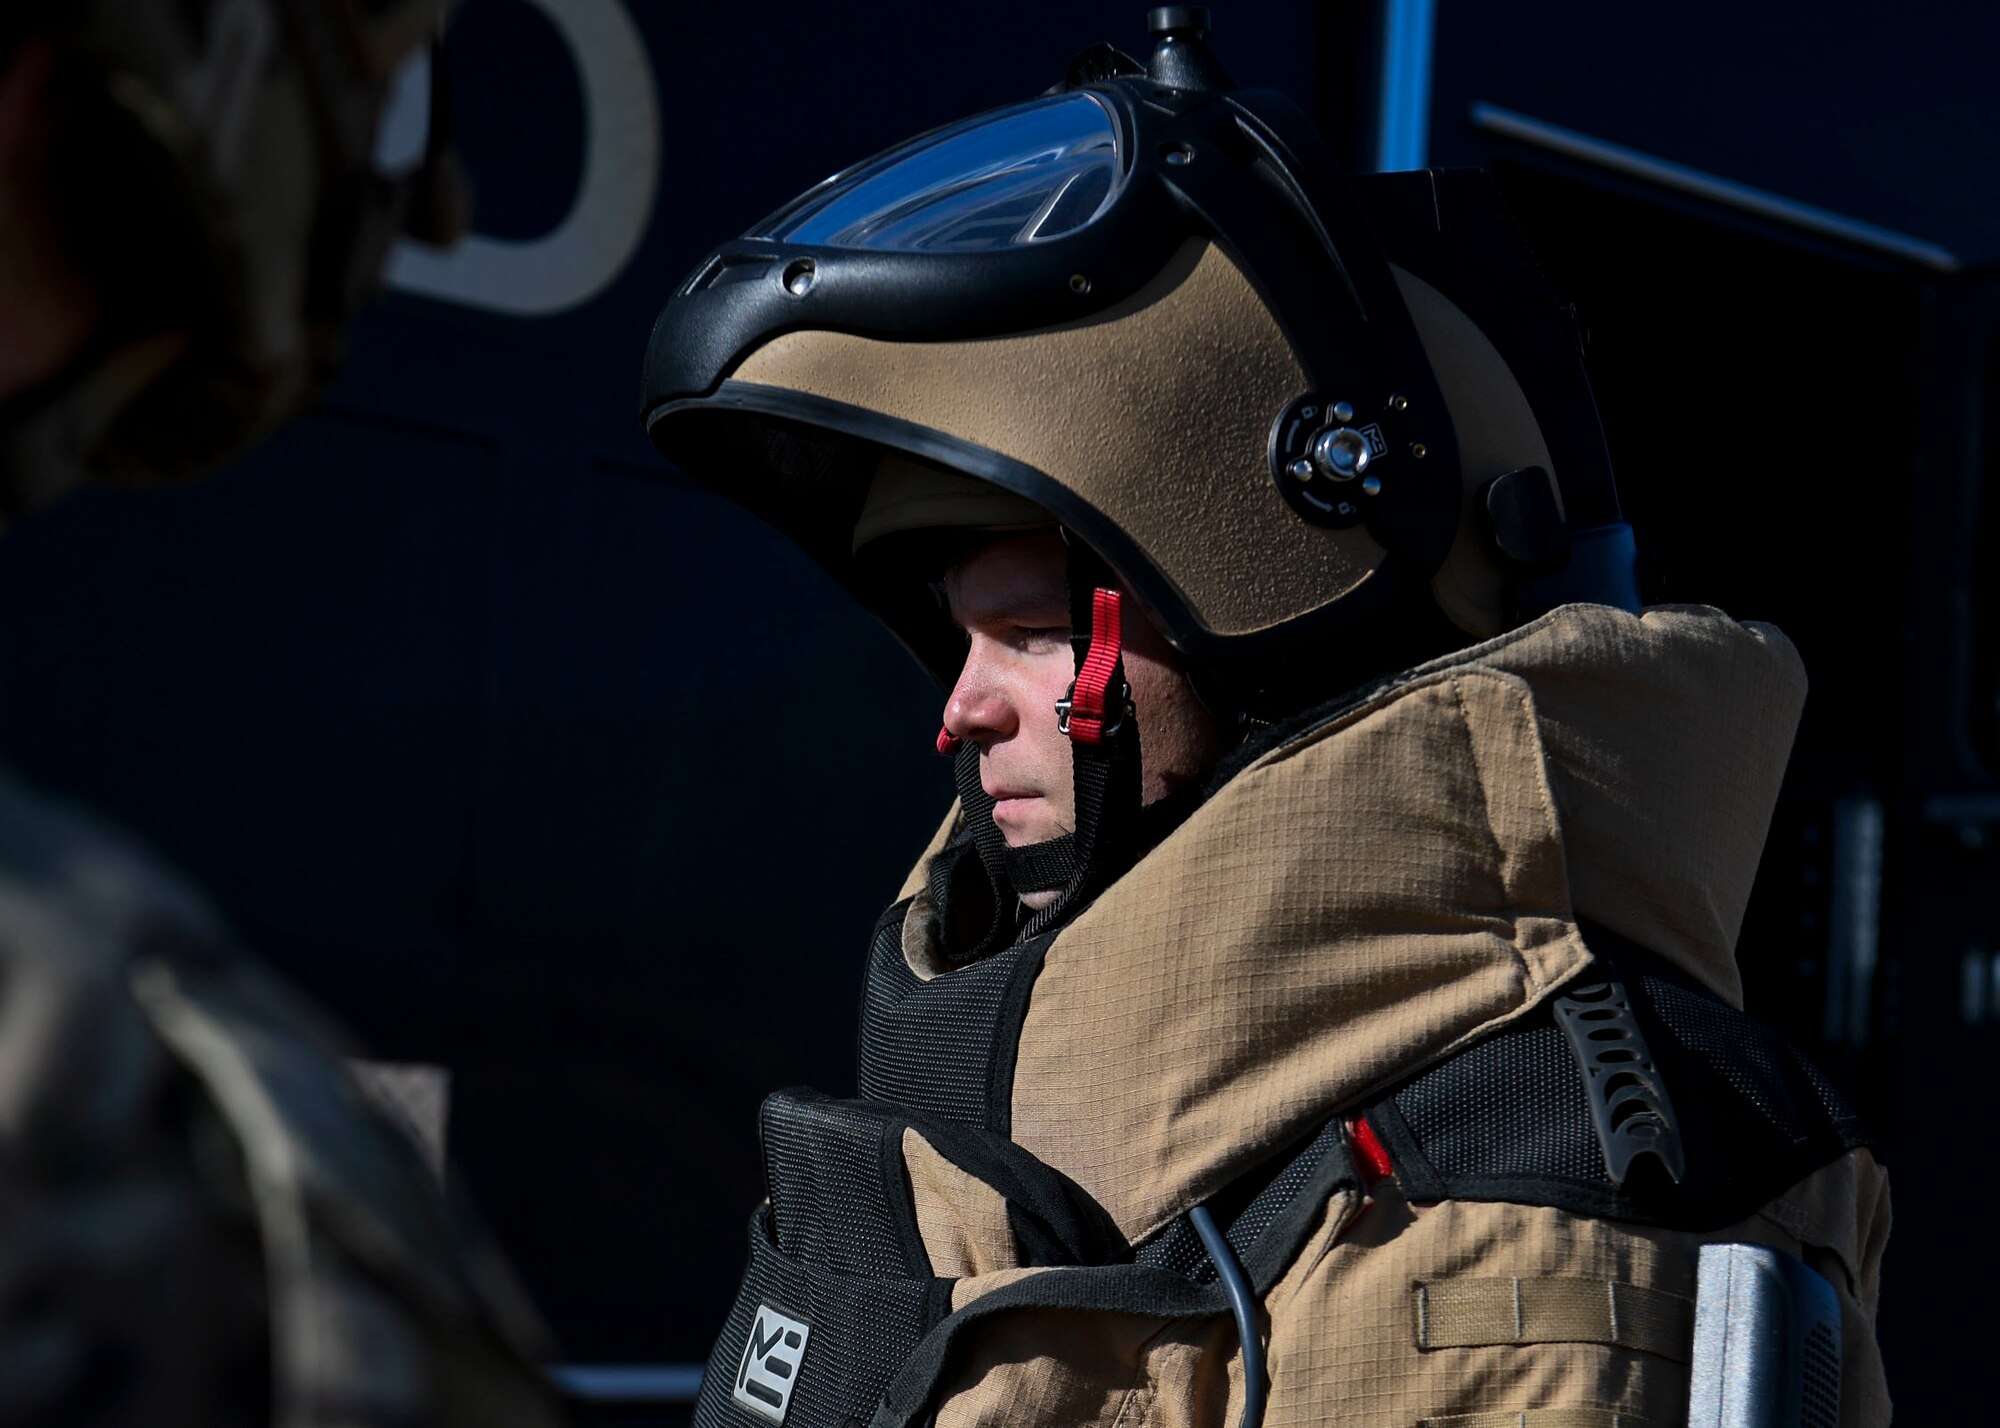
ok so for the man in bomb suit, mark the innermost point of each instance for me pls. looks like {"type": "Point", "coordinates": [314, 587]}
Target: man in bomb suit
{"type": "Point", "coordinates": [203, 1221]}
{"type": "Point", "coordinates": [1354, 1034]}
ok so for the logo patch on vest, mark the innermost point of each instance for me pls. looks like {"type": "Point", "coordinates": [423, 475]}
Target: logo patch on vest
{"type": "Point", "coordinates": [770, 1367]}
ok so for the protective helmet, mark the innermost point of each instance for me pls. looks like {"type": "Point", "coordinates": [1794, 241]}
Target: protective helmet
{"type": "Point", "coordinates": [1300, 416]}
{"type": "Point", "coordinates": [212, 169]}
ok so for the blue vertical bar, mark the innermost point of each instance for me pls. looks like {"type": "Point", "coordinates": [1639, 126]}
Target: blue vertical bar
{"type": "Point", "coordinates": [1403, 131]}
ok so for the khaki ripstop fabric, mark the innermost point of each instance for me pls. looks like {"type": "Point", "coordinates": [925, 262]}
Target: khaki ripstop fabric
{"type": "Point", "coordinates": [1666, 739]}
{"type": "Point", "coordinates": [1112, 1370]}
{"type": "Point", "coordinates": [1347, 908]}
{"type": "Point", "coordinates": [1343, 1345]}
{"type": "Point", "coordinates": [1043, 1366]}
{"type": "Point", "coordinates": [961, 1219]}
{"type": "Point", "coordinates": [1348, 1350]}
{"type": "Point", "coordinates": [1360, 902]}
{"type": "Point", "coordinates": [965, 1291]}
{"type": "Point", "coordinates": [1157, 412]}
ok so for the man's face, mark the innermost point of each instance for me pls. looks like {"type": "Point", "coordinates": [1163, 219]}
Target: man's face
{"type": "Point", "coordinates": [1011, 597]}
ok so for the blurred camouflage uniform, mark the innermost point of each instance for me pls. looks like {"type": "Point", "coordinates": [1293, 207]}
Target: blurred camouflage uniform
{"type": "Point", "coordinates": [202, 1218]}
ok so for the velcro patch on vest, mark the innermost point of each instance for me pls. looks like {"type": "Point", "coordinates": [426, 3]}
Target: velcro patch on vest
{"type": "Point", "coordinates": [1468, 1313]}
{"type": "Point", "coordinates": [770, 1368]}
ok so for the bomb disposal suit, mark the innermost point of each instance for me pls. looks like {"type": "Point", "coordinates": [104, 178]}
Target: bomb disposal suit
{"type": "Point", "coordinates": [1401, 1076]}
{"type": "Point", "coordinates": [204, 1220]}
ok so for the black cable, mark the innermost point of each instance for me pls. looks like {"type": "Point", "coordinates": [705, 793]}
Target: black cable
{"type": "Point", "coordinates": [1243, 1304]}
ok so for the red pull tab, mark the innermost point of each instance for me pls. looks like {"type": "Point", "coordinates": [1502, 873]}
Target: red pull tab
{"type": "Point", "coordinates": [1369, 1150]}
{"type": "Point", "coordinates": [948, 742]}
{"type": "Point", "coordinates": [1084, 718]}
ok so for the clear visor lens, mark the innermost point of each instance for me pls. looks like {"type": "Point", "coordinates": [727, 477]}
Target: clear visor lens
{"type": "Point", "coordinates": [1012, 177]}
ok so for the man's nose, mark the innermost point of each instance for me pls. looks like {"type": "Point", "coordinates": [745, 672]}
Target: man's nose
{"type": "Point", "coordinates": [978, 707]}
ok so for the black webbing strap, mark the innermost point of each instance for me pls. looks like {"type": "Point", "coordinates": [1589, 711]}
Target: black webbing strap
{"type": "Point", "coordinates": [1038, 867]}
{"type": "Point", "coordinates": [1275, 1193]}
{"type": "Point", "coordinates": [1267, 1232]}
{"type": "Point", "coordinates": [1105, 771]}
{"type": "Point", "coordinates": [991, 846]}
{"type": "Point", "coordinates": [1112, 1289]}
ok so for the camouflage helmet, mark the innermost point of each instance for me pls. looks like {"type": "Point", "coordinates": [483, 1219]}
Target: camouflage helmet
{"type": "Point", "coordinates": [212, 169]}
{"type": "Point", "coordinates": [1315, 425]}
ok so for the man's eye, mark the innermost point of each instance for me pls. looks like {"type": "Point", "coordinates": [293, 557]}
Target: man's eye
{"type": "Point", "coordinates": [1041, 634]}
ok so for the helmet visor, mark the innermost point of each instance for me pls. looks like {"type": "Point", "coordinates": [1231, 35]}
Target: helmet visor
{"type": "Point", "coordinates": [1016, 176]}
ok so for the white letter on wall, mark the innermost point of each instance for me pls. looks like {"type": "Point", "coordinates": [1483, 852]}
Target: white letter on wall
{"type": "Point", "coordinates": [580, 256]}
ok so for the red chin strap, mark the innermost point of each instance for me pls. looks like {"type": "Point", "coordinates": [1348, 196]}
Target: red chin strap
{"type": "Point", "coordinates": [1082, 714]}
{"type": "Point", "coordinates": [948, 742]}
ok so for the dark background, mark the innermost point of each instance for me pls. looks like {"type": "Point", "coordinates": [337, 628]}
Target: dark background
{"type": "Point", "coordinates": [539, 764]}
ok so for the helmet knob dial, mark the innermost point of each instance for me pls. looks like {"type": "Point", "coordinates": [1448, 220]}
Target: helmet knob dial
{"type": "Point", "coordinates": [1341, 453]}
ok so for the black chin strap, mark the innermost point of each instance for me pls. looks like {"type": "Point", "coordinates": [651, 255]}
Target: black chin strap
{"type": "Point", "coordinates": [980, 920]}
{"type": "Point", "coordinates": [1097, 715]}
{"type": "Point", "coordinates": [1040, 867]}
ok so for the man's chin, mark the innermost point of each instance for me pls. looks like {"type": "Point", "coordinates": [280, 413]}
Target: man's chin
{"type": "Point", "coordinates": [1029, 837]}
{"type": "Point", "coordinates": [1027, 821]}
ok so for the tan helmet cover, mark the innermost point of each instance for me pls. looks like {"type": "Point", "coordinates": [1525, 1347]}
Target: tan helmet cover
{"type": "Point", "coordinates": [1156, 416]}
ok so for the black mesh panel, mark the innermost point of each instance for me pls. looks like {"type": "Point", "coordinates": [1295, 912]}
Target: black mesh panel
{"type": "Point", "coordinates": [930, 1046]}
{"type": "Point", "coordinates": [1262, 1211]}
{"type": "Point", "coordinates": [862, 1332]}
{"type": "Point", "coordinates": [832, 1203]}
{"type": "Point", "coordinates": [1509, 1117]}
{"type": "Point", "coordinates": [1512, 1105]}
{"type": "Point", "coordinates": [1178, 1248]}
{"type": "Point", "coordinates": [1786, 1092]}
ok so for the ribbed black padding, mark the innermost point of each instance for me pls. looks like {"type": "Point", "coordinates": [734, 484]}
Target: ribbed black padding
{"type": "Point", "coordinates": [1039, 867]}
{"type": "Point", "coordinates": [978, 910]}
{"type": "Point", "coordinates": [1509, 1117]}
{"type": "Point", "coordinates": [837, 1248]}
